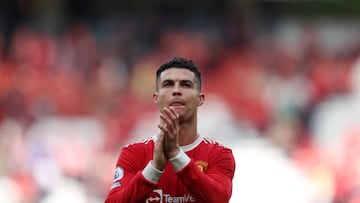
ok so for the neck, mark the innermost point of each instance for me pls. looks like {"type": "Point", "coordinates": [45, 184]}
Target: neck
{"type": "Point", "coordinates": [188, 133]}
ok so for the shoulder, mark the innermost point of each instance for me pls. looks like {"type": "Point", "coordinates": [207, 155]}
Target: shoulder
{"type": "Point", "coordinates": [132, 152]}
{"type": "Point", "coordinates": [218, 153]}
{"type": "Point", "coordinates": [145, 143]}
{"type": "Point", "coordinates": [214, 146]}
{"type": "Point", "coordinates": [211, 142]}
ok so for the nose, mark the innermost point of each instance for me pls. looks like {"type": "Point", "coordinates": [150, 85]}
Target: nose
{"type": "Point", "coordinates": [176, 90]}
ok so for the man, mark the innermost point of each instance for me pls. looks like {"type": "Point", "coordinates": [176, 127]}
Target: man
{"type": "Point", "coordinates": [177, 164]}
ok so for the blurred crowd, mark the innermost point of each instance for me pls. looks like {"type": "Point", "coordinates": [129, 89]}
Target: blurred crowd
{"type": "Point", "coordinates": [70, 100]}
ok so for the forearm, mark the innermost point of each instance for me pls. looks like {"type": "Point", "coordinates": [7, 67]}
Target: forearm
{"type": "Point", "coordinates": [140, 185]}
{"type": "Point", "coordinates": [215, 186]}
{"type": "Point", "coordinates": [209, 189]}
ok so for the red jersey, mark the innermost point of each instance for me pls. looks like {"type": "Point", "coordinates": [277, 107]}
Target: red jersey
{"type": "Point", "coordinates": [201, 173]}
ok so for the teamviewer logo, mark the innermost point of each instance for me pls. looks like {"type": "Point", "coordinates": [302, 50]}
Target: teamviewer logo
{"type": "Point", "coordinates": [155, 197]}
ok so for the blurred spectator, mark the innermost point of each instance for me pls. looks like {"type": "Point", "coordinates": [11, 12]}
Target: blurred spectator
{"type": "Point", "coordinates": [336, 129]}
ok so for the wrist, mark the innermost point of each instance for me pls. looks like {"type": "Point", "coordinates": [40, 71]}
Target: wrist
{"type": "Point", "coordinates": [180, 161]}
{"type": "Point", "coordinates": [152, 174]}
{"type": "Point", "coordinates": [157, 166]}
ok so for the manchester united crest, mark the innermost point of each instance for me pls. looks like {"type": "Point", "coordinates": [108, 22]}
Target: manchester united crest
{"type": "Point", "coordinates": [202, 165]}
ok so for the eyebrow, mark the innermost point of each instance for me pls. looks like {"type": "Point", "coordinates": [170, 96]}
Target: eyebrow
{"type": "Point", "coordinates": [181, 81]}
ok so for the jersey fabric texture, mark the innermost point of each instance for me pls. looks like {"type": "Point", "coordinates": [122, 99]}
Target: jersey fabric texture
{"type": "Point", "coordinates": [202, 172]}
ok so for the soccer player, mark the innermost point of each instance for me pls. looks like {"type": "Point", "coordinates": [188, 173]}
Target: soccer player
{"type": "Point", "coordinates": [177, 164]}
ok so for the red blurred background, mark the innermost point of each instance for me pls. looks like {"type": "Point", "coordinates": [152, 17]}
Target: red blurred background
{"type": "Point", "coordinates": [76, 79]}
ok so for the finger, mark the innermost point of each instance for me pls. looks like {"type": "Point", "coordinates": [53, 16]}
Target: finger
{"type": "Point", "coordinates": [173, 116]}
{"type": "Point", "coordinates": [175, 113]}
{"type": "Point", "coordinates": [171, 125]}
{"type": "Point", "coordinates": [165, 119]}
{"type": "Point", "coordinates": [171, 113]}
{"type": "Point", "coordinates": [164, 129]}
{"type": "Point", "coordinates": [176, 118]}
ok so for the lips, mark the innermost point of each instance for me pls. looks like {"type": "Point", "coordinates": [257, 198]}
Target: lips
{"type": "Point", "coordinates": [177, 103]}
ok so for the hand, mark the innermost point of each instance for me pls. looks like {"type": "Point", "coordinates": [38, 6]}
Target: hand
{"type": "Point", "coordinates": [169, 126]}
{"type": "Point", "coordinates": [159, 158]}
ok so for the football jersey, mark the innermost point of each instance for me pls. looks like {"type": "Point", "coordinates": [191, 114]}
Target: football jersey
{"type": "Point", "coordinates": [201, 173]}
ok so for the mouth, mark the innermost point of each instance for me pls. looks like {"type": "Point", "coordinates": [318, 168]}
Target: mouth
{"type": "Point", "coordinates": [177, 104]}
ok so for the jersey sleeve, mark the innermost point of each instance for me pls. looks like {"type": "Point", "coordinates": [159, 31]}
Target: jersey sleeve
{"type": "Point", "coordinates": [129, 184]}
{"type": "Point", "coordinates": [215, 184]}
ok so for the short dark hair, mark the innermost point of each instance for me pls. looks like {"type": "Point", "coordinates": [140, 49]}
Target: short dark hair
{"type": "Point", "coordinates": [179, 62]}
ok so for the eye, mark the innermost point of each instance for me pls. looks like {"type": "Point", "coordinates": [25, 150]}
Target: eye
{"type": "Point", "coordinates": [167, 84]}
{"type": "Point", "coordinates": [187, 84]}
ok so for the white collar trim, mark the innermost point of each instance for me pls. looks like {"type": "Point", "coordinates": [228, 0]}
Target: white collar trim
{"type": "Point", "coordinates": [192, 145]}
{"type": "Point", "coordinates": [185, 147]}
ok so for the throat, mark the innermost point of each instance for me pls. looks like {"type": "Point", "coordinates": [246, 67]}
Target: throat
{"type": "Point", "coordinates": [186, 140]}
{"type": "Point", "coordinates": [188, 132]}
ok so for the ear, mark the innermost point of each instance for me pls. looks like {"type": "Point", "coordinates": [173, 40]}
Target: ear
{"type": "Point", "coordinates": [201, 99]}
{"type": "Point", "coordinates": [155, 97]}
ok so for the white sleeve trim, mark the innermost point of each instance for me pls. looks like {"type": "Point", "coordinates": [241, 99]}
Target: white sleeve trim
{"type": "Point", "coordinates": [180, 160]}
{"type": "Point", "coordinates": [152, 174]}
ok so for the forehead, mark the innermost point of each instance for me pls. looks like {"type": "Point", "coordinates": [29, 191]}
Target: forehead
{"type": "Point", "coordinates": [177, 74]}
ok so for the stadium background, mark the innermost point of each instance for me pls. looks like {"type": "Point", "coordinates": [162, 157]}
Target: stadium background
{"type": "Point", "coordinates": [282, 80]}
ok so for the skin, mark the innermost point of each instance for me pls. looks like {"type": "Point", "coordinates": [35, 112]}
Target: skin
{"type": "Point", "coordinates": [178, 98]}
